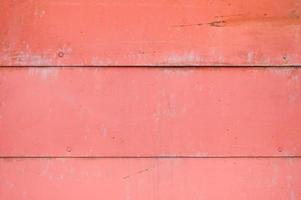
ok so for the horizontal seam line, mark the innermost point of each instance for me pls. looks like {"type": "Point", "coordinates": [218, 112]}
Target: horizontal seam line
{"type": "Point", "coordinates": [157, 66]}
{"type": "Point", "coordinates": [149, 157]}
{"type": "Point", "coordinates": [150, 66]}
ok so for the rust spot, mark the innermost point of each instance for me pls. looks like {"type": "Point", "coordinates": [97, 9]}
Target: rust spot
{"type": "Point", "coordinates": [220, 23]}
{"type": "Point", "coordinates": [293, 18]}
{"type": "Point", "coordinates": [265, 19]}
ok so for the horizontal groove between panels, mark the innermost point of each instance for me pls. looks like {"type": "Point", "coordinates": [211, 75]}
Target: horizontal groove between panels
{"type": "Point", "coordinates": [159, 66]}
{"type": "Point", "coordinates": [150, 157]}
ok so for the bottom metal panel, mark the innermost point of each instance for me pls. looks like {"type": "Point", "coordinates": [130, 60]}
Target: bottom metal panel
{"type": "Point", "coordinates": [146, 179]}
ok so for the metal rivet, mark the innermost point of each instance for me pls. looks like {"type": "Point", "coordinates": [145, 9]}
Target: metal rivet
{"type": "Point", "coordinates": [60, 54]}
{"type": "Point", "coordinates": [69, 149]}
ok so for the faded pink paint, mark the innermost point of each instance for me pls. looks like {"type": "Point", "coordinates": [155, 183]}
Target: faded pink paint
{"type": "Point", "coordinates": [128, 133]}
{"type": "Point", "coordinates": [150, 179]}
{"type": "Point", "coordinates": [150, 112]}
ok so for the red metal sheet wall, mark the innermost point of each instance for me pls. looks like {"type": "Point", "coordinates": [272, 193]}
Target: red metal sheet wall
{"type": "Point", "coordinates": [135, 132]}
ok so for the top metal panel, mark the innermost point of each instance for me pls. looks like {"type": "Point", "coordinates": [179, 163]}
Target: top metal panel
{"type": "Point", "coordinates": [150, 33]}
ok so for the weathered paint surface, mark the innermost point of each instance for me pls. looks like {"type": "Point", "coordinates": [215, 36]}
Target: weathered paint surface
{"type": "Point", "coordinates": [153, 32]}
{"type": "Point", "coordinates": [150, 112]}
{"type": "Point", "coordinates": [150, 179]}
{"type": "Point", "coordinates": [150, 133]}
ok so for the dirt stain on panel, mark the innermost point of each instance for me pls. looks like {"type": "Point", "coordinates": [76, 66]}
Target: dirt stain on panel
{"type": "Point", "coordinates": [293, 18]}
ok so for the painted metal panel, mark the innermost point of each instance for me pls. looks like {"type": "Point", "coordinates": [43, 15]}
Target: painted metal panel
{"type": "Point", "coordinates": [153, 32]}
{"type": "Point", "coordinates": [150, 112]}
{"type": "Point", "coordinates": [150, 179]}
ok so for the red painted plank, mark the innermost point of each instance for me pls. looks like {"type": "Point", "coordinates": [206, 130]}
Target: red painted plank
{"type": "Point", "coordinates": [153, 32]}
{"type": "Point", "coordinates": [150, 112]}
{"type": "Point", "coordinates": [150, 179]}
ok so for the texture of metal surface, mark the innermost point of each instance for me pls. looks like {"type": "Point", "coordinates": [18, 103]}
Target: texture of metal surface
{"type": "Point", "coordinates": [153, 32]}
{"type": "Point", "coordinates": [137, 112]}
{"type": "Point", "coordinates": [150, 179]}
{"type": "Point", "coordinates": [130, 132]}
